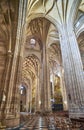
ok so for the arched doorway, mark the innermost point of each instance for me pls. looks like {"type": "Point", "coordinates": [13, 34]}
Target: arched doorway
{"type": "Point", "coordinates": [30, 76]}
{"type": "Point", "coordinates": [45, 45]}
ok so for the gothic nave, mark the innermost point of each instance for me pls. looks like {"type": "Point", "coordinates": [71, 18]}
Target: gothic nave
{"type": "Point", "coordinates": [42, 64]}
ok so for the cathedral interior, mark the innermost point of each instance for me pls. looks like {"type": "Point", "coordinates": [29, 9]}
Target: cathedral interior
{"type": "Point", "coordinates": [42, 64]}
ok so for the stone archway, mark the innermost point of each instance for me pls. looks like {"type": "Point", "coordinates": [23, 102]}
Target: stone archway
{"type": "Point", "coordinates": [30, 75]}
{"type": "Point", "coordinates": [56, 66]}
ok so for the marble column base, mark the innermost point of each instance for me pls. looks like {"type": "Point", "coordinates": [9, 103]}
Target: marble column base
{"type": "Point", "coordinates": [12, 121]}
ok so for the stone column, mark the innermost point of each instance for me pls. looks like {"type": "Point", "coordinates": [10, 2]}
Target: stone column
{"type": "Point", "coordinates": [16, 102]}
{"type": "Point", "coordinates": [15, 77]}
{"type": "Point", "coordinates": [45, 90]}
{"type": "Point", "coordinates": [36, 96]}
{"type": "Point", "coordinates": [11, 70]}
{"type": "Point", "coordinates": [41, 103]}
{"type": "Point", "coordinates": [73, 71]}
{"type": "Point", "coordinates": [53, 84]}
{"type": "Point", "coordinates": [27, 99]}
{"type": "Point", "coordinates": [48, 82]}
{"type": "Point", "coordinates": [63, 89]}
{"type": "Point", "coordinates": [45, 71]}
{"type": "Point", "coordinates": [30, 99]}
{"type": "Point", "coordinates": [44, 67]}
{"type": "Point", "coordinates": [37, 99]}
{"type": "Point", "coordinates": [6, 84]}
{"type": "Point", "coordinates": [42, 89]}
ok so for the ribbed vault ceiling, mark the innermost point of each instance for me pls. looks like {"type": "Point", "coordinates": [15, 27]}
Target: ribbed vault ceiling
{"type": "Point", "coordinates": [81, 7]}
{"type": "Point", "coordinates": [30, 69]}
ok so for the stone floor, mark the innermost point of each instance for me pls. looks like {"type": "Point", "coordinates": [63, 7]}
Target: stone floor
{"type": "Point", "coordinates": [36, 124]}
{"type": "Point", "coordinates": [39, 124]}
{"type": "Point", "coordinates": [49, 122]}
